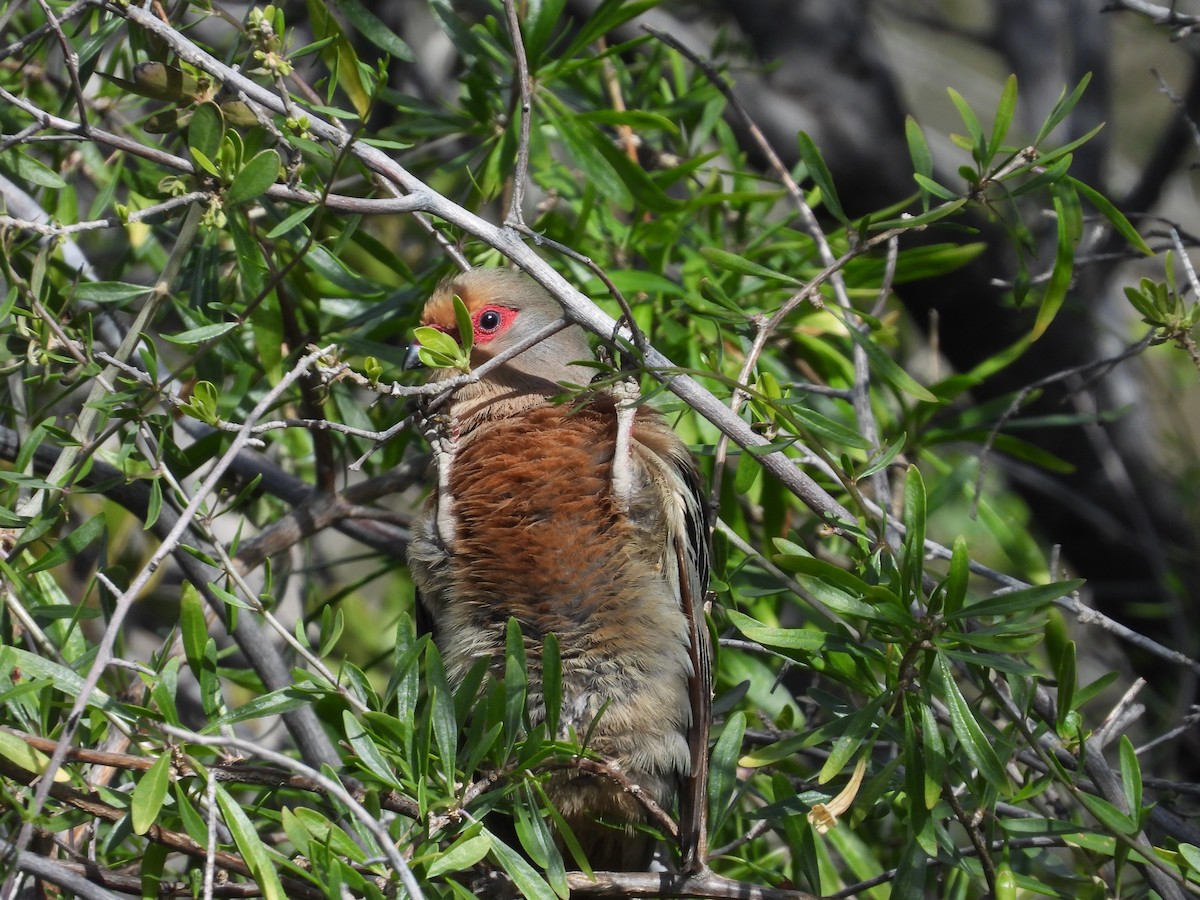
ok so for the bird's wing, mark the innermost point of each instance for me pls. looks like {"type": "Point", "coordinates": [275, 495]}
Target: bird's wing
{"type": "Point", "coordinates": [692, 554]}
{"type": "Point", "coordinates": [685, 521]}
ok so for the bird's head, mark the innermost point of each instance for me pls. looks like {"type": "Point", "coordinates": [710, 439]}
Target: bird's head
{"type": "Point", "coordinates": [506, 307]}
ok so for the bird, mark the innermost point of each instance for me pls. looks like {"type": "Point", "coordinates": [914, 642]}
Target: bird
{"type": "Point", "coordinates": [585, 520]}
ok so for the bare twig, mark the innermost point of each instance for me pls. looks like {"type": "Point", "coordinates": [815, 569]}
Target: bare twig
{"type": "Point", "coordinates": [516, 211]}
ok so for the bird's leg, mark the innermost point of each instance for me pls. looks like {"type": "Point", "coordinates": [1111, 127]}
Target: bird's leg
{"type": "Point", "coordinates": [439, 431]}
{"type": "Point", "coordinates": [626, 395]}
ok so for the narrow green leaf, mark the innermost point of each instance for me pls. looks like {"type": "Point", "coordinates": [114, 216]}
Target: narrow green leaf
{"type": "Point", "coordinates": [850, 741]}
{"type": "Point", "coordinates": [298, 217]}
{"type": "Point", "coordinates": [551, 682]}
{"type": "Point", "coordinates": [929, 186]}
{"type": "Point", "coordinates": [516, 680]}
{"type": "Point", "coordinates": [461, 855]}
{"type": "Point", "coordinates": [975, 744]}
{"type": "Point", "coordinates": [367, 751]}
{"type": "Point", "coordinates": [1131, 777]}
{"type": "Point", "coordinates": [1004, 116]}
{"type": "Point", "coordinates": [841, 591]}
{"type": "Point", "coordinates": [108, 291]}
{"type": "Point", "coordinates": [528, 882]}
{"type": "Point", "coordinates": [65, 680]}
{"type": "Point", "coordinates": [250, 846]}
{"type": "Point", "coordinates": [886, 367]}
{"type": "Point", "coordinates": [69, 546]}
{"type": "Point", "coordinates": [374, 29]}
{"type": "Point", "coordinates": [827, 429]}
{"type": "Point", "coordinates": [442, 718]}
{"type": "Point", "coordinates": [28, 758]}
{"type": "Point", "coordinates": [203, 334]}
{"type": "Point", "coordinates": [926, 218]}
{"type": "Point", "coordinates": [933, 754]}
{"type": "Point", "coordinates": [273, 703]}
{"type": "Point", "coordinates": [955, 585]}
{"type": "Point", "coordinates": [918, 149]}
{"type": "Point", "coordinates": [149, 794]}
{"type": "Point", "coordinates": [1062, 109]}
{"type": "Point", "coordinates": [466, 329]}
{"type": "Point", "coordinates": [913, 562]}
{"type": "Point", "coordinates": [1066, 675]}
{"type": "Point", "coordinates": [971, 121]}
{"type": "Point", "coordinates": [542, 17]}
{"type": "Point", "coordinates": [193, 627]}
{"type": "Point", "coordinates": [1018, 601]}
{"type": "Point", "coordinates": [722, 772]}
{"type": "Point", "coordinates": [732, 262]}
{"type": "Point", "coordinates": [819, 173]}
{"type": "Point", "coordinates": [883, 458]}
{"type": "Point", "coordinates": [1108, 815]}
{"type": "Point", "coordinates": [1115, 217]}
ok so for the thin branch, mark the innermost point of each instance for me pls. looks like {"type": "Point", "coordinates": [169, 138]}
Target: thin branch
{"type": "Point", "coordinates": [516, 212]}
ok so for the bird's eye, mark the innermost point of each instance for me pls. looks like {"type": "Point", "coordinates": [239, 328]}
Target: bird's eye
{"type": "Point", "coordinates": [489, 321]}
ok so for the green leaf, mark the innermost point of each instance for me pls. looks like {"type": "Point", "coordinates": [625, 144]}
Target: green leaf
{"type": "Point", "coordinates": [819, 173]}
{"type": "Point", "coordinates": [28, 758]}
{"type": "Point", "coordinates": [149, 794]}
{"type": "Point", "coordinates": [466, 329]}
{"type": "Point", "coordinates": [367, 751]}
{"type": "Point", "coordinates": [63, 679]}
{"type": "Point", "coordinates": [461, 855]}
{"type": "Point", "coordinates": [193, 628]}
{"type": "Point", "coordinates": [929, 186]}
{"type": "Point", "coordinates": [971, 121]}
{"type": "Point", "coordinates": [609, 15]}
{"type": "Point", "coordinates": [1066, 677]}
{"type": "Point", "coordinates": [1004, 116]}
{"type": "Point", "coordinates": [201, 335]}
{"type": "Point", "coordinates": [1018, 601]}
{"type": "Point", "coordinates": [841, 591]}
{"type": "Point", "coordinates": [254, 178]}
{"type": "Point", "coordinates": [1062, 109]}
{"type": "Point", "coordinates": [515, 679]}
{"type": "Point", "coordinates": [250, 846]}
{"type": "Point", "coordinates": [828, 429]}
{"type": "Point", "coordinates": [206, 131]}
{"type": "Point", "coordinates": [551, 682]}
{"type": "Point", "coordinates": [975, 744]}
{"type": "Point", "coordinates": [528, 882]}
{"type": "Point", "coordinates": [69, 546]}
{"type": "Point", "coordinates": [955, 585]}
{"type": "Point", "coordinates": [1108, 815]}
{"type": "Point", "coordinates": [854, 732]}
{"type": "Point", "coordinates": [298, 217]}
{"type": "Point", "coordinates": [32, 170]}
{"type": "Point", "coordinates": [913, 562]}
{"type": "Point", "coordinates": [109, 291]}
{"type": "Point", "coordinates": [1131, 777]}
{"type": "Point", "coordinates": [722, 773]}
{"type": "Point", "coordinates": [886, 367]}
{"type": "Point", "coordinates": [542, 17]}
{"type": "Point", "coordinates": [881, 460]}
{"type": "Point", "coordinates": [918, 149]}
{"type": "Point", "coordinates": [374, 29]}
{"type": "Point", "coordinates": [442, 717]}
{"type": "Point", "coordinates": [273, 703]}
{"type": "Point", "coordinates": [732, 262]}
{"type": "Point", "coordinates": [1115, 217]}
